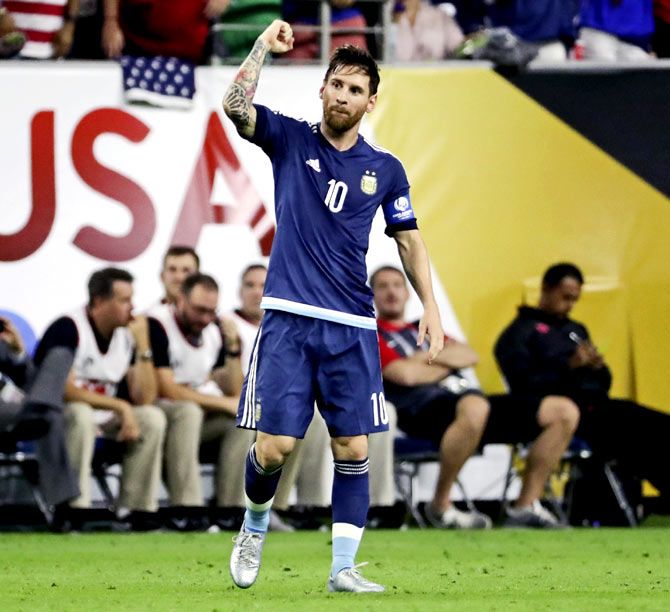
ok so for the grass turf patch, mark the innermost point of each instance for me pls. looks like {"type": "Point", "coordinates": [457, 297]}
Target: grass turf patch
{"type": "Point", "coordinates": [595, 569]}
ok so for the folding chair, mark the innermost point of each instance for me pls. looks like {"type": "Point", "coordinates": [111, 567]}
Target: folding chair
{"type": "Point", "coordinates": [22, 464]}
{"type": "Point", "coordinates": [409, 455]}
{"type": "Point", "coordinates": [570, 467]}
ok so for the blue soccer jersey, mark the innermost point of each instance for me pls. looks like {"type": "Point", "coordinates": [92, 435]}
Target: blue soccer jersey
{"type": "Point", "coordinates": [325, 202]}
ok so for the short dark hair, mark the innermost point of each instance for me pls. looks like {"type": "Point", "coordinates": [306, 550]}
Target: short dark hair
{"type": "Point", "coordinates": [384, 269]}
{"type": "Point", "coordinates": [349, 55]}
{"type": "Point", "coordinates": [197, 278]}
{"type": "Point", "coordinates": [177, 250]}
{"type": "Point", "coordinates": [556, 273]}
{"type": "Point", "coordinates": [251, 268]}
{"type": "Point", "coordinates": [101, 283]}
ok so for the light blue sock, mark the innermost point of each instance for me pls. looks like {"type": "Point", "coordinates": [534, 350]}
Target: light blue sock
{"type": "Point", "coordinates": [257, 517]}
{"type": "Point", "coordinates": [344, 554]}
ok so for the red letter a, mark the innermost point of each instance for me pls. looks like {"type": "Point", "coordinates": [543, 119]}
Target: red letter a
{"type": "Point", "coordinates": [197, 210]}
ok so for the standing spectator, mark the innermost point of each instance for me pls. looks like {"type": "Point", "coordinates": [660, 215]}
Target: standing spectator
{"type": "Point", "coordinates": [345, 15]}
{"type": "Point", "coordinates": [172, 28]}
{"type": "Point", "coordinates": [661, 41]}
{"type": "Point", "coordinates": [260, 13]}
{"type": "Point", "coordinates": [548, 24]}
{"type": "Point", "coordinates": [616, 30]}
{"type": "Point", "coordinates": [424, 32]}
{"type": "Point", "coordinates": [48, 26]}
{"type": "Point", "coordinates": [11, 39]}
{"type": "Point", "coordinates": [87, 42]}
{"type": "Point", "coordinates": [31, 408]}
{"type": "Point", "coordinates": [109, 391]}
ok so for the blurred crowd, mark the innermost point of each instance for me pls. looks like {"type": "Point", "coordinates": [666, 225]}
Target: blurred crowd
{"type": "Point", "coordinates": [202, 31]}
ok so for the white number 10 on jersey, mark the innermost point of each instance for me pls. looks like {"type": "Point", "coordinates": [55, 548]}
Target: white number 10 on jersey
{"type": "Point", "coordinates": [337, 191]}
{"type": "Point", "coordinates": [379, 413]}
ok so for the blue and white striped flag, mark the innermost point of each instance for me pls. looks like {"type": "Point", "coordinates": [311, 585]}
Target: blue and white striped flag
{"type": "Point", "coordinates": [159, 81]}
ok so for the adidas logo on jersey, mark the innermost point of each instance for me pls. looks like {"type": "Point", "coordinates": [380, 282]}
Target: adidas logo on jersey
{"type": "Point", "coordinates": [314, 164]}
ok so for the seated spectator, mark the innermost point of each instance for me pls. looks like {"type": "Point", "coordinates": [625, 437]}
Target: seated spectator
{"type": "Point", "coordinates": [616, 30]}
{"type": "Point", "coordinates": [179, 262]}
{"type": "Point", "coordinates": [425, 408]}
{"type": "Point", "coordinates": [424, 32]}
{"type": "Point", "coordinates": [543, 352]}
{"type": "Point", "coordinates": [434, 402]}
{"type": "Point", "coordinates": [661, 40]}
{"type": "Point", "coordinates": [31, 408]}
{"type": "Point", "coordinates": [197, 363]}
{"type": "Point", "coordinates": [238, 43]}
{"type": "Point", "coordinates": [11, 39]}
{"type": "Point", "coordinates": [344, 15]}
{"type": "Point", "coordinates": [110, 391]}
{"type": "Point", "coordinates": [249, 315]}
{"type": "Point", "coordinates": [48, 26]}
{"type": "Point", "coordinates": [171, 29]}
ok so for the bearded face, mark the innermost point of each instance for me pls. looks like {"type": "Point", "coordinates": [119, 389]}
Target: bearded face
{"type": "Point", "coordinates": [346, 98]}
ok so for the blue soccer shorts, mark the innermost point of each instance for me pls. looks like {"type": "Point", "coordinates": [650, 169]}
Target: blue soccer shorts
{"type": "Point", "coordinates": [298, 360]}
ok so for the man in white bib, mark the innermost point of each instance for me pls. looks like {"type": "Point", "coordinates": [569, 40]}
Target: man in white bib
{"type": "Point", "coordinates": [184, 419]}
{"type": "Point", "coordinates": [110, 390]}
{"type": "Point", "coordinates": [197, 360]}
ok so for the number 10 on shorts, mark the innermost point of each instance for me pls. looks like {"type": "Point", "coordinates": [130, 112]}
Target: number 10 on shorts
{"type": "Point", "coordinates": [379, 413]}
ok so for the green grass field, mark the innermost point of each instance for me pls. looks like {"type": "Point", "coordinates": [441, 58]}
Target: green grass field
{"type": "Point", "coordinates": [578, 569]}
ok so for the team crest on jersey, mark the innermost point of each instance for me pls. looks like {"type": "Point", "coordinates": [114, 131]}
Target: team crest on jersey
{"type": "Point", "coordinates": [369, 183]}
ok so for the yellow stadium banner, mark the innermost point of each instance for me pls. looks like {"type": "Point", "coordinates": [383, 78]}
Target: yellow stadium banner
{"type": "Point", "coordinates": [503, 188]}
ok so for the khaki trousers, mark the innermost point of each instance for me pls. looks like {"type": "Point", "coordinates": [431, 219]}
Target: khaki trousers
{"type": "Point", "coordinates": [182, 443]}
{"type": "Point", "coordinates": [234, 446]}
{"type": "Point", "coordinates": [142, 461]}
{"type": "Point", "coordinates": [309, 467]}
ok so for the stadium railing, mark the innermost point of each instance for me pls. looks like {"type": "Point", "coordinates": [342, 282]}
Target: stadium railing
{"type": "Point", "coordinates": [324, 29]}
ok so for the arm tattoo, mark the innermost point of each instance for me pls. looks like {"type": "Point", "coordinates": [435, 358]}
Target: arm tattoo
{"type": "Point", "coordinates": [240, 94]}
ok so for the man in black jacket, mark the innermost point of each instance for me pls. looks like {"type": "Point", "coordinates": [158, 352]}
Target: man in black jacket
{"type": "Point", "coordinates": [31, 408]}
{"type": "Point", "coordinates": [544, 352]}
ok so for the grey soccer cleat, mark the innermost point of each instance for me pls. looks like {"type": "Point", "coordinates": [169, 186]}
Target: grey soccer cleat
{"type": "Point", "coordinates": [453, 518]}
{"type": "Point", "coordinates": [535, 515]}
{"type": "Point", "coordinates": [350, 580]}
{"type": "Point", "coordinates": [245, 560]}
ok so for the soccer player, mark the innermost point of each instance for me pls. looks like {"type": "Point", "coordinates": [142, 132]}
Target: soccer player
{"type": "Point", "coordinates": [318, 336]}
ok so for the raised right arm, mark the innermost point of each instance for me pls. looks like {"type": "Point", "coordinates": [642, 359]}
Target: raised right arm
{"type": "Point", "coordinates": [238, 101]}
